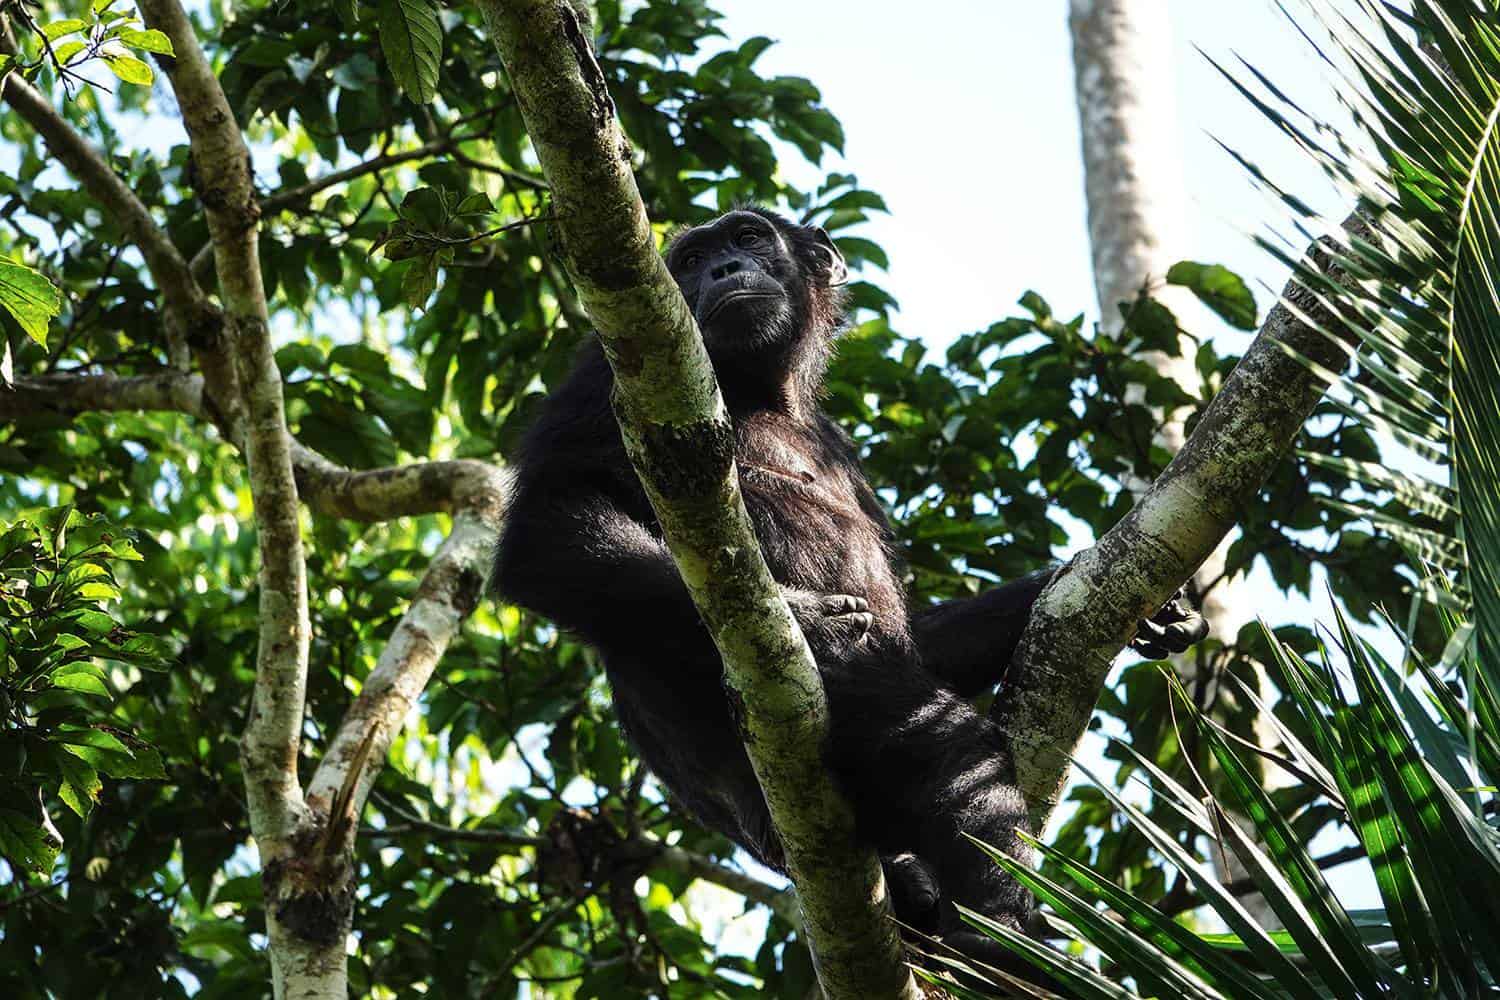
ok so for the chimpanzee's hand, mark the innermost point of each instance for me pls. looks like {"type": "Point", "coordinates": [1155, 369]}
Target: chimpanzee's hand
{"type": "Point", "coordinates": [836, 619]}
{"type": "Point", "coordinates": [1171, 630]}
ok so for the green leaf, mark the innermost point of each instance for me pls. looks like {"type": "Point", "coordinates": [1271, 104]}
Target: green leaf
{"type": "Point", "coordinates": [420, 281]}
{"type": "Point", "coordinates": [83, 677]}
{"type": "Point", "coordinates": [411, 38]}
{"type": "Point", "coordinates": [425, 207]}
{"type": "Point", "coordinates": [84, 736]}
{"type": "Point", "coordinates": [144, 763]}
{"type": "Point", "coordinates": [129, 69]}
{"type": "Point", "coordinates": [80, 785]}
{"type": "Point", "coordinates": [67, 26]}
{"type": "Point", "coordinates": [67, 50]}
{"type": "Point", "coordinates": [1166, 934]}
{"type": "Point", "coordinates": [29, 297]}
{"type": "Point", "coordinates": [26, 844]}
{"type": "Point", "coordinates": [475, 203]}
{"type": "Point", "coordinates": [149, 40]}
{"type": "Point", "coordinates": [1219, 288]}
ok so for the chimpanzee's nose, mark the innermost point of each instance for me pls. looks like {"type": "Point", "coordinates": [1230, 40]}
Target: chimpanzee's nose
{"type": "Point", "coordinates": [725, 268]}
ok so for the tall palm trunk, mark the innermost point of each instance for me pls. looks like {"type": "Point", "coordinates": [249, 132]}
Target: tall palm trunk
{"type": "Point", "coordinates": [1137, 215]}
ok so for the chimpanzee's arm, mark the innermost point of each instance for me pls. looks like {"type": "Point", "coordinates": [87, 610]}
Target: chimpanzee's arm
{"type": "Point", "coordinates": [576, 556]}
{"type": "Point", "coordinates": [968, 643]}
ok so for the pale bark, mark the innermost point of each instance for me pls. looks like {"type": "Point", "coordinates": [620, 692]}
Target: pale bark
{"type": "Point", "coordinates": [1090, 609]}
{"type": "Point", "coordinates": [449, 591]}
{"type": "Point", "coordinates": [1123, 63]}
{"type": "Point", "coordinates": [1138, 212]}
{"type": "Point", "coordinates": [222, 169]}
{"type": "Point", "coordinates": [306, 932]}
{"type": "Point", "coordinates": [680, 440]}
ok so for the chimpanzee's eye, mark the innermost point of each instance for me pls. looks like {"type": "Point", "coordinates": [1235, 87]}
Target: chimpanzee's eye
{"type": "Point", "coordinates": [692, 260]}
{"type": "Point", "coordinates": [748, 238]}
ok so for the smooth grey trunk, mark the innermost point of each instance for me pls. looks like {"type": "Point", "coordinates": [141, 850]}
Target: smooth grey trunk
{"type": "Point", "coordinates": [1138, 228]}
{"type": "Point", "coordinates": [1138, 209]}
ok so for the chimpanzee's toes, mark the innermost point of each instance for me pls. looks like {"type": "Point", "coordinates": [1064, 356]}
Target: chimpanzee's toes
{"type": "Point", "coordinates": [1173, 629]}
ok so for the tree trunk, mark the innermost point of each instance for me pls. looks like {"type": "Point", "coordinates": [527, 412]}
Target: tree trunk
{"type": "Point", "coordinates": [1137, 208]}
{"type": "Point", "coordinates": [1137, 213]}
{"type": "Point", "coordinates": [681, 443]}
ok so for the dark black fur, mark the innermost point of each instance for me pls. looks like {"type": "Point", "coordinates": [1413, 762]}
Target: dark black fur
{"type": "Point", "coordinates": [582, 546]}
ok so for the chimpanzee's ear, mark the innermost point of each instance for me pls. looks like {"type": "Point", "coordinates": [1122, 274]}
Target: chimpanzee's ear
{"type": "Point", "coordinates": [838, 271]}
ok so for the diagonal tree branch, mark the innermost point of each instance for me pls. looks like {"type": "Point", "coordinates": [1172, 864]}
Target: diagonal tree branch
{"type": "Point", "coordinates": [452, 586]}
{"type": "Point", "coordinates": [681, 443]}
{"type": "Point", "coordinates": [1090, 609]}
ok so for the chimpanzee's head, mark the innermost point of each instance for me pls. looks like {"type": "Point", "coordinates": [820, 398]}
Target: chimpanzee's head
{"type": "Point", "coordinates": [766, 294]}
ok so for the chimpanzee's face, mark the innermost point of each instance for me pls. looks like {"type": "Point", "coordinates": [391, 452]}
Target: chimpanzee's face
{"type": "Point", "coordinates": [742, 280]}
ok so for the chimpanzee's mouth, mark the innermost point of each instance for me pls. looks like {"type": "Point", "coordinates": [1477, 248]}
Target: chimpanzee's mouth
{"type": "Point", "coordinates": [738, 295]}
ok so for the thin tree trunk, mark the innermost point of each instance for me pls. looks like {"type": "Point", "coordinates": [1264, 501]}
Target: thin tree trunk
{"type": "Point", "coordinates": [1138, 228]}
{"type": "Point", "coordinates": [1137, 208]}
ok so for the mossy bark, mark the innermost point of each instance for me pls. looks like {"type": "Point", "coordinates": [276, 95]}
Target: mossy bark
{"type": "Point", "coordinates": [680, 440]}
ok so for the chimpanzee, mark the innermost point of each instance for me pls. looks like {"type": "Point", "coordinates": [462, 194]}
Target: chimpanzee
{"type": "Point", "coordinates": [582, 547]}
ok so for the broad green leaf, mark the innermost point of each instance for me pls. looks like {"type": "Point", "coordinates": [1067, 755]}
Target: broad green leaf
{"type": "Point", "coordinates": [80, 786]}
{"type": "Point", "coordinates": [25, 844]}
{"type": "Point", "coordinates": [29, 297]}
{"type": "Point", "coordinates": [420, 281]}
{"type": "Point", "coordinates": [144, 763]}
{"type": "Point", "coordinates": [129, 69]}
{"type": "Point", "coordinates": [1219, 288]}
{"type": "Point", "coordinates": [67, 50]}
{"type": "Point", "coordinates": [89, 737]}
{"type": "Point", "coordinates": [411, 38]}
{"type": "Point", "coordinates": [67, 26]}
{"type": "Point", "coordinates": [149, 40]}
{"type": "Point", "coordinates": [83, 684]}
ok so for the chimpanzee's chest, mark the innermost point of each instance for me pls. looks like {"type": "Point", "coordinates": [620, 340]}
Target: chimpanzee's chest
{"type": "Point", "coordinates": [804, 500]}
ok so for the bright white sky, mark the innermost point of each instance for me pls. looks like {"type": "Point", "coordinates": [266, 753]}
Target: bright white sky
{"type": "Point", "coordinates": [961, 113]}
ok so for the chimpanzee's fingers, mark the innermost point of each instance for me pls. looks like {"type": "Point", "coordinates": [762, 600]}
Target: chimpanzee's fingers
{"type": "Point", "coordinates": [1180, 625]}
{"type": "Point", "coordinates": [1193, 629]}
{"type": "Point", "coordinates": [1171, 630]}
{"type": "Point", "coordinates": [844, 604]}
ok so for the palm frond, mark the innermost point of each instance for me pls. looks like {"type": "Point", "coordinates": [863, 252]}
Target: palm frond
{"type": "Point", "coordinates": [1415, 286]}
{"type": "Point", "coordinates": [1435, 856]}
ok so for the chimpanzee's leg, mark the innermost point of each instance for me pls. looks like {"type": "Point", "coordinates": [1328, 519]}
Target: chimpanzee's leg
{"type": "Point", "coordinates": [926, 771]}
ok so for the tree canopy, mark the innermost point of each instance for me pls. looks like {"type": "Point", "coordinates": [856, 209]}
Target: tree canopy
{"type": "Point", "coordinates": [418, 312]}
